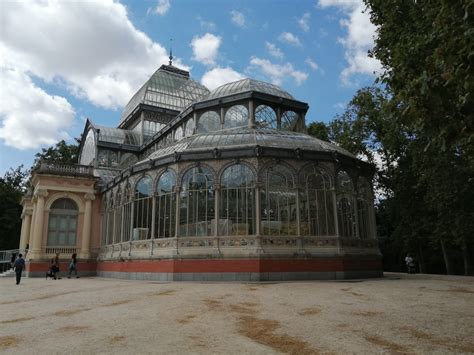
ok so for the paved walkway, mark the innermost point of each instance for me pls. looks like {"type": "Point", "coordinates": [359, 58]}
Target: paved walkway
{"type": "Point", "coordinates": [398, 314]}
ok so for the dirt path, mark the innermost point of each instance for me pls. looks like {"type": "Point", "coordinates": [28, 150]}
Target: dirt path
{"type": "Point", "coordinates": [397, 314]}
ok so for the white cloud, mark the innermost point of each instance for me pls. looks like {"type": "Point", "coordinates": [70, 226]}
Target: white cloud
{"type": "Point", "coordinates": [162, 7]}
{"type": "Point", "coordinates": [358, 40]}
{"type": "Point", "coordinates": [277, 73]}
{"type": "Point", "coordinates": [29, 116]}
{"type": "Point", "coordinates": [274, 50]}
{"type": "Point", "coordinates": [206, 25]}
{"type": "Point", "coordinates": [206, 48]}
{"type": "Point", "coordinates": [303, 22]}
{"type": "Point", "coordinates": [313, 65]}
{"type": "Point", "coordinates": [220, 76]}
{"type": "Point", "coordinates": [237, 18]}
{"type": "Point", "coordinates": [289, 38]}
{"type": "Point", "coordinates": [97, 54]}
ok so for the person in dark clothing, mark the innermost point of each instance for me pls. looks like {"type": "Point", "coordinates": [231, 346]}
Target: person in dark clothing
{"type": "Point", "coordinates": [19, 266]}
{"type": "Point", "coordinates": [73, 266]}
{"type": "Point", "coordinates": [12, 260]}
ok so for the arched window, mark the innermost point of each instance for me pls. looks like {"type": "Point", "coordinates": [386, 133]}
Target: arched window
{"type": "Point", "coordinates": [364, 200]}
{"type": "Point", "coordinates": [196, 202]}
{"type": "Point", "coordinates": [289, 119]}
{"type": "Point", "coordinates": [265, 117]}
{"type": "Point", "coordinates": [278, 202]}
{"type": "Point", "coordinates": [236, 116]}
{"type": "Point", "coordinates": [178, 134]}
{"type": "Point", "coordinates": [127, 201]}
{"type": "Point", "coordinates": [142, 209]}
{"type": "Point", "coordinates": [88, 149]}
{"type": "Point", "coordinates": [165, 205]}
{"type": "Point", "coordinates": [209, 121]}
{"type": "Point", "coordinates": [237, 202]}
{"type": "Point", "coordinates": [189, 129]}
{"type": "Point", "coordinates": [316, 203]}
{"type": "Point", "coordinates": [62, 226]}
{"type": "Point", "coordinates": [345, 205]}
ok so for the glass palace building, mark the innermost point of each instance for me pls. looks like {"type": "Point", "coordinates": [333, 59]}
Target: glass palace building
{"type": "Point", "coordinates": [195, 184]}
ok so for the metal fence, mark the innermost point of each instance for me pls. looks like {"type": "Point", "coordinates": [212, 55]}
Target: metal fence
{"type": "Point", "coordinates": [6, 257]}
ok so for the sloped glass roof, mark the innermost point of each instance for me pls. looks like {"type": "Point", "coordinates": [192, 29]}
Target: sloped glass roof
{"type": "Point", "coordinates": [117, 135]}
{"type": "Point", "coordinates": [242, 137]}
{"type": "Point", "coordinates": [248, 85]}
{"type": "Point", "coordinates": [169, 88]}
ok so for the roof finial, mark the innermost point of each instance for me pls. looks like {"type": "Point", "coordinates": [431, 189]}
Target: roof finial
{"type": "Point", "coordinates": [171, 52]}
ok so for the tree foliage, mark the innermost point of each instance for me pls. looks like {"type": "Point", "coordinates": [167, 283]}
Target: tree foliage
{"type": "Point", "coordinates": [62, 152]}
{"type": "Point", "coordinates": [417, 126]}
{"type": "Point", "coordinates": [13, 185]}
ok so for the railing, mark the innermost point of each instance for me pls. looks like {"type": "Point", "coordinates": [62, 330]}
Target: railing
{"type": "Point", "coordinates": [60, 250]}
{"type": "Point", "coordinates": [64, 169]}
{"type": "Point", "coordinates": [5, 258]}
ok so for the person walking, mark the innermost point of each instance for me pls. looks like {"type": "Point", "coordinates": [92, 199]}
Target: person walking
{"type": "Point", "coordinates": [12, 261]}
{"type": "Point", "coordinates": [19, 266]}
{"type": "Point", "coordinates": [55, 262]}
{"type": "Point", "coordinates": [73, 266]}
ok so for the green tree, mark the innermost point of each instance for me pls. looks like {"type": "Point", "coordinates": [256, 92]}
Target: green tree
{"type": "Point", "coordinates": [319, 130]}
{"type": "Point", "coordinates": [427, 52]}
{"type": "Point", "coordinates": [13, 186]}
{"type": "Point", "coordinates": [62, 152]}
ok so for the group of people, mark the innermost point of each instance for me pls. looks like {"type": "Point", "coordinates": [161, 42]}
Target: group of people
{"type": "Point", "coordinates": [19, 265]}
{"type": "Point", "coordinates": [53, 271]}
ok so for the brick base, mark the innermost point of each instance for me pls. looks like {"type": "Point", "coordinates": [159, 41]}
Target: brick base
{"type": "Point", "coordinates": [326, 268]}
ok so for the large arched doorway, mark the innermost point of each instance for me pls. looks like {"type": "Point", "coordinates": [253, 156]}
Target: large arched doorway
{"type": "Point", "coordinates": [62, 226]}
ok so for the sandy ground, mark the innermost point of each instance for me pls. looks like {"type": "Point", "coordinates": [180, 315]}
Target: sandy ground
{"type": "Point", "coordinates": [397, 314]}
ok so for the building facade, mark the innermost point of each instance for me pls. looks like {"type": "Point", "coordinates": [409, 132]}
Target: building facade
{"type": "Point", "coordinates": [206, 185]}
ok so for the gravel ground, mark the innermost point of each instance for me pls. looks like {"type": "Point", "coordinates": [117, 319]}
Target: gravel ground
{"type": "Point", "coordinates": [397, 314]}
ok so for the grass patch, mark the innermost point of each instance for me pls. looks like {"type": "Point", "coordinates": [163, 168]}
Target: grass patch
{"type": "Point", "coordinates": [309, 311]}
{"type": "Point", "coordinates": [8, 341]}
{"type": "Point", "coordinates": [16, 320]}
{"type": "Point", "coordinates": [366, 313]}
{"type": "Point", "coordinates": [263, 331]}
{"type": "Point", "coordinates": [386, 344]}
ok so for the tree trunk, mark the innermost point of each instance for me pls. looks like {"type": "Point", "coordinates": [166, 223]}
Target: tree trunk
{"type": "Point", "coordinates": [467, 259]}
{"type": "Point", "coordinates": [447, 262]}
{"type": "Point", "coordinates": [421, 260]}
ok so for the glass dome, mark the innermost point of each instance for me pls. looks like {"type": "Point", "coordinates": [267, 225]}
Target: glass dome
{"type": "Point", "coordinates": [169, 88]}
{"type": "Point", "coordinates": [246, 85]}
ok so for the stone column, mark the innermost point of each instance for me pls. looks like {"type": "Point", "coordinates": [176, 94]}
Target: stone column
{"type": "Point", "coordinates": [336, 219]}
{"type": "Point", "coordinates": [278, 117]}
{"type": "Point", "coordinates": [176, 231]}
{"type": "Point", "coordinates": [217, 196]}
{"type": "Point", "coordinates": [86, 229]}
{"type": "Point", "coordinates": [25, 229]}
{"type": "Point", "coordinates": [35, 251]}
{"type": "Point", "coordinates": [32, 226]}
{"type": "Point", "coordinates": [251, 114]}
{"type": "Point", "coordinates": [222, 116]}
{"type": "Point", "coordinates": [257, 210]}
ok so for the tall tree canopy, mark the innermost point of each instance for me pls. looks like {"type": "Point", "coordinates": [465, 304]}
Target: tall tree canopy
{"type": "Point", "coordinates": [417, 126]}
{"type": "Point", "coordinates": [62, 152]}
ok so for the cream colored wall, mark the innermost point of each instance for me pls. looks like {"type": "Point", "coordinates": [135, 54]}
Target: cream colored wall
{"type": "Point", "coordinates": [52, 188]}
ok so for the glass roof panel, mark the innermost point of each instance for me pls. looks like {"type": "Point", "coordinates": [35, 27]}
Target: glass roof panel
{"type": "Point", "coordinates": [117, 135]}
{"type": "Point", "coordinates": [168, 90]}
{"type": "Point", "coordinates": [248, 85]}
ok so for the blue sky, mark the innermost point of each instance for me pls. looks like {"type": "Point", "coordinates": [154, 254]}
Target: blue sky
{"type": "Point", "coordinates": [85, 59]}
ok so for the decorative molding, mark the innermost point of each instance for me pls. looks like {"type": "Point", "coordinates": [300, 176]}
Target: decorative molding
{"type": "Point", "coordinates": [41, 193]}
{"type": "Point", "coordinates": [89, 197]}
